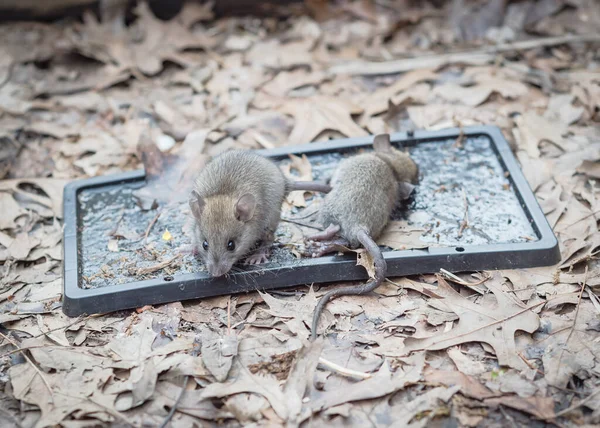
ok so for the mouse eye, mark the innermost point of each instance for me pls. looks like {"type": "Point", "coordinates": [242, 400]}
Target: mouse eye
{"type": "Point", "coordinates": [205, 245]}
{"type": "Point", "coordinates": [230, 246]}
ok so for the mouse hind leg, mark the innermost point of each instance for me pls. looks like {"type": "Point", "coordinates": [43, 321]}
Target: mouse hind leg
{"type": "Point", "coordinates": [321, 248]}
{"type": "Point", "coordinates": [326, 234]}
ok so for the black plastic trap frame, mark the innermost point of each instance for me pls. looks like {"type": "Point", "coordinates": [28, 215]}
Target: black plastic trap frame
{"type": "Point", "coordinates": [541, 250]}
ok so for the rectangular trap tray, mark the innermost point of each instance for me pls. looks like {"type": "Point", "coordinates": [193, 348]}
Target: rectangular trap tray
{"type": "Point", "coordinates": [523, 239]}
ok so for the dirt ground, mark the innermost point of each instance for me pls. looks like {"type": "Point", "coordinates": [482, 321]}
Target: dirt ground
{"type": "Point", "coordinates": [506, 348]}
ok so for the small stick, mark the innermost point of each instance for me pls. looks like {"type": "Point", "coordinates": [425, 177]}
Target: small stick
{"type": "Point", "coordinates": [38, 371]}
{"type": "Point", "coordinates": [531, 366]}
{"type": "Point", "coordinates": [300, 224]}
{"type": "Point", "coordinates": [572, 328]}
{"type": "Point", "coordinates": [159, 266]}
{"type": "Point", "coordinates": [456, 279]}
{"type": "Point", "coordinates": [77, 321]}
{"type": "Point", "coordinates": [113, 231]}
{"type": "Point", "coordinates": [465, 222]}
{"type": "Point", "coordinates": [343, 370]}
{"type": "Point", "coordinates": [151, 225]}
{"type": "Point", "coordinates": [174, 408]}
{"type": "Point", "coordinates": [576, 406]}
{"type": "Point", "coordinates": [107, 409]}
{"type": "Point", "coordinates": [229, 316]}
{"type": "Point", "coordinates": [461, 138]}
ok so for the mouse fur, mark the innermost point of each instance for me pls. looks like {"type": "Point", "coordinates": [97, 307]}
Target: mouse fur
{"type": "Point", "coordinates": [236, 203]}
{"type": "Point", "coordinates": [237, 198]}
{"type": "Point", "coordinates": [363, 196]}
{"type": "Point", "coordinates": [357, 209]}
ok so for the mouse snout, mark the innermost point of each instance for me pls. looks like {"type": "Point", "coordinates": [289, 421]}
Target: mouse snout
{"type": "Point", "coordinates": [218, 268]}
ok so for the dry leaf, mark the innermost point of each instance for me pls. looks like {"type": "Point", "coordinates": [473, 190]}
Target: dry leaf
{"type": "Point", "coordinates": [317, 114]}
{"type": "Point", "coordinates": [423, 404]}
{"type": "Point", "coordinates": [534, 129]}
{"type": "Point", "coordinates": [495, 326]}
{"type": "Point", "coordinates": [365, 259]}
{"type": "Point", "coordinates": [468, 385]}
{"type": "Point", "coordinates": [303, 169]}
{"type": "Point", "coordinates": [384, 382]}
{"type": "Point", "coordinates": [377, 102]}
{"type": "Point", "coordinates": [589, 168]}
{"type": "Point", "coordinates": [218, 354]}
{"type": "Point", "coordinates": [286, 81]}
{"type": "Point", "coordinates": [478, 94]}
{"type": "Point", "coordinates": [399, 235]}
{"type": "Point", "coordinates": [161, 41]}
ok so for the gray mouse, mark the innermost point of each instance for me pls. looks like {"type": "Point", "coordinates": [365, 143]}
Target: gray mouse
{"type": "Point", "coordinates": [365, 190]}
{"type": "Point", "coordinates": [236, 203]}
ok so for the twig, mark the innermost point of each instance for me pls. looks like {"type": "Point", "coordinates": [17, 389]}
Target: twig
{"type": "Point", "coordinates": [459, 143]}
{"type": "Point", "coordinates": [477, 56]}
{"type": "Point", "coordinates": [229, 316]}
{"type": "Point", "coordinates": [107, 409]}
{"type": "Point", "coordinates": [38, 371]}
{"type": "Point", "coordinates": [572, 328]}
{"type": "Point", "coordinates": [27, 348]}
{"type": "Point", "coordinates": [575, 406]}
{"type": "Point", "coordinates": [151, 225]}
{"type": "Point", "coordinates": [583, 218]}
{"type": "Point", "coordinates": [113, 231]}
{"type": "Point", "coordinates": [77, 321]}
{"type": "Point", "coordinates": [158, 266]}
{"type": "Point", "coordinates": [176, 404]}
{"type": "Point", "coordinates": [301, 224]}
{"type": "Point", "coordinates": [496, 322]}
{"type": "Point", "coordinates": [531, 366]}
{"type": "Point", "coordinates": [457, 280]}
{"type": "Point", "coordinates": [465, 222]}
{"type": "Point", "coordinates": [343, 370]}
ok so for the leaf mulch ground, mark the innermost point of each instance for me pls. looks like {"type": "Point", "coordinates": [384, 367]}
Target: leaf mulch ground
{"type": "Point", "coordinates": [484, 349]}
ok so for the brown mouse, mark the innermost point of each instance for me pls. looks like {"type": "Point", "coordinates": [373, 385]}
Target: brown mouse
{"type": "Point", "coordinates": [236, 203]}
{"type": "Point", "coordinates": [365, 190]}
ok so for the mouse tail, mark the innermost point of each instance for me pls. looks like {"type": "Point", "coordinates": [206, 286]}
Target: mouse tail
{"type": "Point", "coordinates": [308, 186]}
{"type": "Point", "coordinates": [380, 270]}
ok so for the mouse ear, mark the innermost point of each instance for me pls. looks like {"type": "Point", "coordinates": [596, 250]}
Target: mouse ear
{"type": "Point", "coordinates": [244, 208]}
{"type": "Point", "coordinates": [197, 204]}
{"type": "Point", "coordinates": [381, 143]}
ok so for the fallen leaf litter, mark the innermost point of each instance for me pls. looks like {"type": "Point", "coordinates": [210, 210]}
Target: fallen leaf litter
{"type": "Point", "coordinates": [244, 82]}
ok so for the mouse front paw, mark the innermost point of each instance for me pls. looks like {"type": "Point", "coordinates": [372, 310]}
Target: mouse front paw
{"type": "Point", "coordinates": [257, 258]}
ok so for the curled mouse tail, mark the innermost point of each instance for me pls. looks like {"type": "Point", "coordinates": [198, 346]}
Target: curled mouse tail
{"type": "Point", "coordinates": [309, 186]}
{"type": "Point", "coordinates": [380, 270]}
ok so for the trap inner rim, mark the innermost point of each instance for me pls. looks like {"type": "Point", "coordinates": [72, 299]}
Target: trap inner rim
{"type": "Point", "coordinates": [542, 252]}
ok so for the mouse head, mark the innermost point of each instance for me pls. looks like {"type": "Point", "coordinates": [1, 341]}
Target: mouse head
{"type": "Point", "coordinates": [405, 169]}
{"type": "Point", "coordinates": [223, 229]}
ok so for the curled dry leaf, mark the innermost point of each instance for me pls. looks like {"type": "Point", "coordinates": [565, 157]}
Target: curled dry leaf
{"type": "Point", "coordinates": [47, 192]}
{"type": "Point", "coordinates": [218, 354]}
